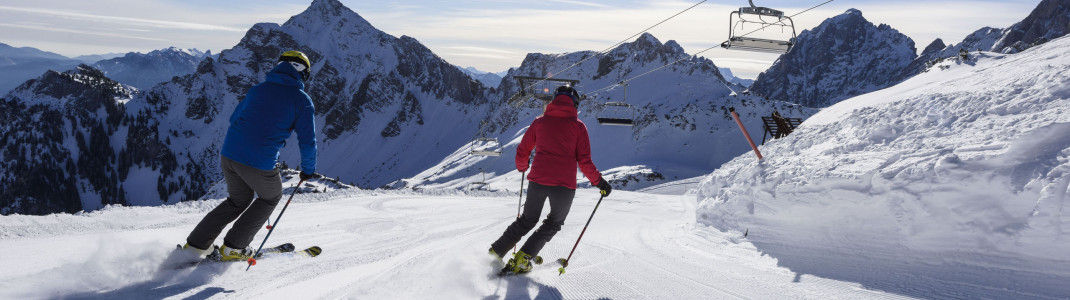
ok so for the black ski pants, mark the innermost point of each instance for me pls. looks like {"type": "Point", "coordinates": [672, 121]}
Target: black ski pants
{"type": "Point", "coordinates": [560, 202]}
{"type": "Point", "coordinates": [242, 182]}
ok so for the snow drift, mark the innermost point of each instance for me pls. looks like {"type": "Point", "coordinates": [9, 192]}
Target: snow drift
{"type": "Point", "coordinates": [960, 171]}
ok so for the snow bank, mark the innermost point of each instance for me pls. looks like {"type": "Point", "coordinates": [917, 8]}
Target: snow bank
{"type": "Point", "coordinates": [959, 171]}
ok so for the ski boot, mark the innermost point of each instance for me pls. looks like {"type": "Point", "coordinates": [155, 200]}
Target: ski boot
{"type": "Point", "coordinates": [232, 254]}
{"type": "Point", "coordinates": [182, 255]}
{"type": "Point", "coordinates": [495, 254]}
{"type": "Point", "coordinates": [192, 250]}
{"type": "Point", "coordinates": [519, 264]}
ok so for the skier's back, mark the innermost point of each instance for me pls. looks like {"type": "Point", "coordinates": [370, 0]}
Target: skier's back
{"type": "Point", "coordinates": [560, 142]}
{"type": "Point", "coordinates": [259, 127]}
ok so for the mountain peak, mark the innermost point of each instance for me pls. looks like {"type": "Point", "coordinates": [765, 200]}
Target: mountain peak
{"type": "Point", "coordinates": [324, 14]}
{"type": "Point", "coordinates": [934, 47]}
{"type": "Point", "coordinates": [648, 38]}
{"type": "Point", "coordinates": [844, 46]}
{"type": "Point", "coordinates": [332, 6]}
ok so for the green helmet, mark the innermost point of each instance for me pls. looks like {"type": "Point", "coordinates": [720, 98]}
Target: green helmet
{"type": "Point", "coordinates": [300, 58]}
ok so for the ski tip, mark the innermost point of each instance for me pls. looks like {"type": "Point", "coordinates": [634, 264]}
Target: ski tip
{"type": "Point", "coordinates": [312, 251]}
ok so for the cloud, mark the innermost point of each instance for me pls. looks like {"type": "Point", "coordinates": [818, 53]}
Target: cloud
{"type": "Point", "coordinates": [479, 49]}
{"type": "Point", "coordinates": [582, 3]}
{"type": "Point", "coordinates": [123, 20]}
{"type": "Point", "coordinates": [82, 32]}
{"type": "Point", "coordinates": [477, 55]}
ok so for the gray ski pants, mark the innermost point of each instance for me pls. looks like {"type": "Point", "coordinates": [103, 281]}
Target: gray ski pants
{"type": "Point", "coordinates": [560, 202]}
{"type": "Point", "coordinates": [242, 182]}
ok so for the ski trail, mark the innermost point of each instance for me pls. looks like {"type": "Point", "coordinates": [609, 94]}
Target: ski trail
{"type": "Point", "coordinates": [406, 246]}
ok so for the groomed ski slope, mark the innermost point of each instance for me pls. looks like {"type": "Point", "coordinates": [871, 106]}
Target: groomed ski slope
{"type": "Point", "coordinates": [403, 246]}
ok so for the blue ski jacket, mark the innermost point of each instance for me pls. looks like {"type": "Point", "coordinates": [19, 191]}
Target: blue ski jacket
{"type": "Point", "coordinates": [270, 113]}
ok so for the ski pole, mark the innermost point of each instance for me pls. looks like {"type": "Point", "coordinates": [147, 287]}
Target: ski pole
{"type": "Point", "coordinates": [519, 200]}
{"type": "Point", "coordinates": [271, 228]}
{"type": "Point", "coordinates": [564, 261]}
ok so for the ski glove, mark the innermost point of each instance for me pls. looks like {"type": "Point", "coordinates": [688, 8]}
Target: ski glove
{"type": "Point", "coordinates": [603, 185]}
{"type": "Point", "coordinates": [306, 176]}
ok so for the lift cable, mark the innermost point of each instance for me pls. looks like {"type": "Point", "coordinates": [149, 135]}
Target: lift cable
{"type": "Point", "coordinates": [697, 54]}
{"type": "Point", "coordinates": [551, 75]}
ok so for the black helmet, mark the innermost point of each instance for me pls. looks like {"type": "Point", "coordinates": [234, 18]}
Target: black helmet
{"type": "Point", "coordinates": [571, 92]}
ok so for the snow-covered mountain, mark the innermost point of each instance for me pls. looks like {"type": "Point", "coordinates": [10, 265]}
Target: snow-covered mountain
{"type": "Point", "coordinates": [844, 56]}
{"type": "Point", "coordinates": [957, 173]}
{"type": "Point", "coordinates": [487, 78]}
{"type": "Point", "coordinates": [145, 70]}
{"type": "Point", "coordinates": [1049, 20]}
{"type": "Point", "coordinates": [934, 51]}
{"type": "Point", "coordinates": [727, 73]}
{"type": "Point", "coordinates": [387, 108]}
{"type": "Point", "coordinates": [17, 65]}
{"type": "Point", "coordinates": [68, 144]}
{"type": "Point", "coordinates": [683, 126]}
{"type": "Point", "coordinates": [93, 58]}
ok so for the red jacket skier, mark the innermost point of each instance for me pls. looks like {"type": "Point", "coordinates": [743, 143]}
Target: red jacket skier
{"type": "Point", "coordinates": [561, 143]}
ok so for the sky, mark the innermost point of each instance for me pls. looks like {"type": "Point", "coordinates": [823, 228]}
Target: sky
{"type": "Point", "coordinates": [490, 35]}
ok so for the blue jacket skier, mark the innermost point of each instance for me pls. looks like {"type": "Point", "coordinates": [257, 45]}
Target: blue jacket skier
{"type": "Point", "coordinates": [259, 127]}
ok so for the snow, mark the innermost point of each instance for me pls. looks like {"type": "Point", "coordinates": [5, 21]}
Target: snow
{"type": "Point", "coordinates": [388, 245]}
{"type": "Point", "coordinates": [959, 173]}
{"type": "Point", "coordinates": [949, 185]}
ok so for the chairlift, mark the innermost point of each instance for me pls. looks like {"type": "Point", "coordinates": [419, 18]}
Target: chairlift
{"type": "Point", "coordinates": [479, 184]}
{"type": "Point", "coordinates": [758, 15]}
{"type": "Point", "coordinates": [539, 88]}
{"type": "Point", "coordinates": [617, 113]}
{"type": "Point", "coordinates": [485, 146]}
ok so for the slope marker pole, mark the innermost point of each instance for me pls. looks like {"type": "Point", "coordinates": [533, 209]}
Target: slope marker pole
{"type": "Point", "coordinates": [745, 134]}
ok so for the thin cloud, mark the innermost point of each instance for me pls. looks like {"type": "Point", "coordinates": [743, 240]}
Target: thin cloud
{"type": "Point", "coordinates": [123, 20]}
{"type": "Point", "coordinates": [54, 29]}
{"type": "Point", "coordinates": [583, 3]}
{"type": "Point", "coordinates": [479, 55]}
{"type": "Point", "coordinates": [479, 49]}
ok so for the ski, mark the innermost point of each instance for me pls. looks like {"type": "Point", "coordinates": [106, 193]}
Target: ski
{"type": "Point", "coordinates": [214, 257]}
{"type": "Point", "coordinates": [311, 251]}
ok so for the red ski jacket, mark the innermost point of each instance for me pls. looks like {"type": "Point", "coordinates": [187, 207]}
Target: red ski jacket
{"type": "Point", "coordinates": [560, 141]}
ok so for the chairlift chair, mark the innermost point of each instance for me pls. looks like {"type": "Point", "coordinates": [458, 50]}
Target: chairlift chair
{"type": "Point", "coordinates": [479, 184]}
{"type": "Point", "coordinates": [758, 15]}
{"type": "Point", "coordinates": [485, 146]}
{"type": "Point", "coordinates": [539, 88]}
{"type": "Point", "coordinates": [490, 147]}
{"type": "Point", "coordinates": [617, 113]}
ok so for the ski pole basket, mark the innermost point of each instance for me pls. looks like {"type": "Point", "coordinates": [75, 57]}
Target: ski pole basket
{"type": "Point", "coordinates": [538, 88]}
{"type": "Point", "coordinates": [764, 18]}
